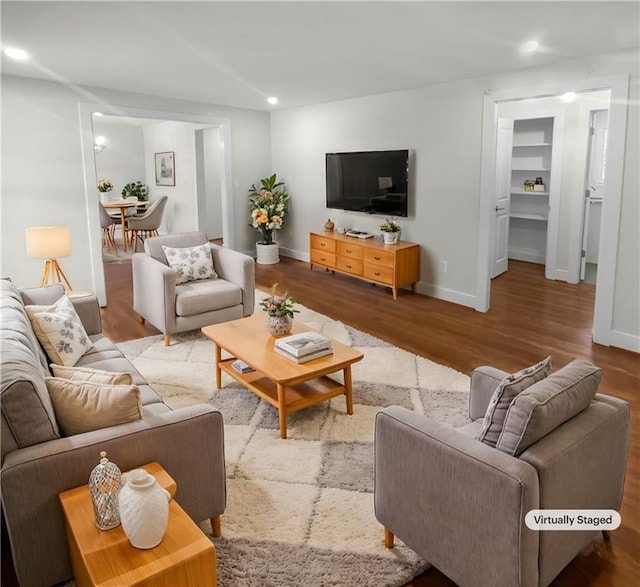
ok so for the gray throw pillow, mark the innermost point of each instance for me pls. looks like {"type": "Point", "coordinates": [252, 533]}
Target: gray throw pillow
{"type": "Point", "coordinates": [190, 263]}
{"type": "Point", "coordinates": [502, 397]}
{"type": "Point", "coordinates": [547, 404]}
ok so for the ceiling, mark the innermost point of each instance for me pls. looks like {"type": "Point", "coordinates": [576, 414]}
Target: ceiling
{"type": "Point", "coordinates": [239, 53]}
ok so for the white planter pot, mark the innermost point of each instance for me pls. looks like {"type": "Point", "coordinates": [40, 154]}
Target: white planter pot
{"type": "Point", "coordinates": [105, 197]}
{"type": "Point", "coordinates": [390, 238]}
{"type": "Point", "coordinates": [267, 254]}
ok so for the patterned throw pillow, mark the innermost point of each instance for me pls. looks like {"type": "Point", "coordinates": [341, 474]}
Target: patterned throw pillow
{"type": "Point", "coordinates": [191, 263]}
{"type": "Point", "coordinates": [502, 397]}
{"type": "Point", "coordinates": [60, 331]}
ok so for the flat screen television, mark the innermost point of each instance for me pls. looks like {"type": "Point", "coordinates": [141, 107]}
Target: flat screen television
{"type": "Point", "coordinates": [375, 182]}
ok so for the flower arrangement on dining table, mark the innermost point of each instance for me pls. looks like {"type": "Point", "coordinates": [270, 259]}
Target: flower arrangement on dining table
{"type": "Point", "coordinates": [105, 185]}
{"type": "Point", "coordinates": [268, 207]}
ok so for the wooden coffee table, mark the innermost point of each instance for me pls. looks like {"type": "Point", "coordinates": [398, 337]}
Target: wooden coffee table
{"type": "Point", "coordinates": [105, 557]}
{"type": "Point", "coordinates": [286, 385]}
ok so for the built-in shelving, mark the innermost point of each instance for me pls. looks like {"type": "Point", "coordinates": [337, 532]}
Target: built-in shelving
{"type": "Point", "coordinates": [524, 216]}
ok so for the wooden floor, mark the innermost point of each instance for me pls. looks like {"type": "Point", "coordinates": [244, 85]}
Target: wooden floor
{"type": "Point", "coordinates": [530, 318]}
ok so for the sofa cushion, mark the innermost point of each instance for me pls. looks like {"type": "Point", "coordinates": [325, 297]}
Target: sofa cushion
{"type": "Point", "coordinates": [198, 297]}
{"type": "Point", "coordinates": [502, 397]}
{"type": "Point", "coordinates": [60, 331]}
{"type": "Point", "coordinates": [82, 406]}
{"type": "Point", "coordinates": [544, 406]}
{"type": "Point", "coordinates": [91, 375]}
{"type": "Point", "coordinates": [190, 263]}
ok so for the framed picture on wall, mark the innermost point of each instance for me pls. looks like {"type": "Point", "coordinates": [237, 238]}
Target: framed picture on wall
{"type": "Point", "coordinates": [165, 168]}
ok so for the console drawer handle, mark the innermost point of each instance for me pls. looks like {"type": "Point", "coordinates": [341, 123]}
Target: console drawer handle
{"type": "Point", "coordinates": [377, 258]}
{"type": "Point", "coordinates": [323, 244]}
{"type": "Point", "coordinates": [348, 250]}
{"type": "Point", "coordinates": [376, 273]}
{"type": "Point", "coordinates": [348, 266]}
{"type": "Point", "coordinates": [322, 259]}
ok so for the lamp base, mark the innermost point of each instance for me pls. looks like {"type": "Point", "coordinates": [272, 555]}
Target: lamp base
{"type": "Point", "coordinates": [52, 269]}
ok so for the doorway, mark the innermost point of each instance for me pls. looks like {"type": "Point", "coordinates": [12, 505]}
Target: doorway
{"type": "Point", "coordinates": [618, 87]}
{"type": "Point", "coordinates": [196, 122]}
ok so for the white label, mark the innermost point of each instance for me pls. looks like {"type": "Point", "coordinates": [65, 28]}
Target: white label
{"type": "Point", "coordinates": [572, 519]}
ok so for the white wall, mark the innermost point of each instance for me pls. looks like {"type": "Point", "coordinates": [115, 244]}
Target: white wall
{"type": "Point", "coordinates": [43, 177]}
{"type": "Point", "coordinates": [442, 125]}
{"type": "Point", "coordinates": [122, 159]}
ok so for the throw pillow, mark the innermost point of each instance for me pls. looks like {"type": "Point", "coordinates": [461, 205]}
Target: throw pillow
{"type": "Point", "coordinates": [81, 406]}
{"type": "Point", "coordinates": [502, 397]}
{"type": "Point", "coordinates": [91, 375]}
{"type": "Point", "coordinates": [191, 263]}
{"type": "Point", "coordinates": [547, 404]}
{"type": "Point", "coordinates": [60, 331]}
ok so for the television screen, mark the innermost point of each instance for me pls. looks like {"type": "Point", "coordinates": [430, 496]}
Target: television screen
{"type": "Point", "coordinates": [375, 182]}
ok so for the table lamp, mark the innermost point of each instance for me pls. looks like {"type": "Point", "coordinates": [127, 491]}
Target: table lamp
{"type": "Point", "coordinates": [49, 242]}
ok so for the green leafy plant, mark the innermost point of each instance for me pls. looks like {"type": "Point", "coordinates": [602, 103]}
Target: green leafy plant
{"type": "Point", "coordinates": [276, 305]}
{"type": "Point", "coordinates": [389, 226]}
{"type": "Point", "coordinates": [136, 190]}
{"type": "Point", "coordinates": [268, 207]}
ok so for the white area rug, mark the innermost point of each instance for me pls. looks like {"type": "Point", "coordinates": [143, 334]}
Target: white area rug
{"type": "Point", "coordinates": [300, 511]}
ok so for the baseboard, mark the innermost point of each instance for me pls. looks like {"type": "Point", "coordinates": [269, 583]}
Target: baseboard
{"type": "Point", "coordinates": [448, 295]}
{"type": "Point", "coordinates": [528, 255]}
{"type": "Point", "coordinates": [623, 340]}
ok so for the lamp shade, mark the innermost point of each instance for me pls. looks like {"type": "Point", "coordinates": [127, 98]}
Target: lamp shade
{"type": "Point", "coordinates": [48, 242]}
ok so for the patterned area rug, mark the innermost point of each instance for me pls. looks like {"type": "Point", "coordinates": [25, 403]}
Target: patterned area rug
{"type": "Point", "coordinates": [300, 511]}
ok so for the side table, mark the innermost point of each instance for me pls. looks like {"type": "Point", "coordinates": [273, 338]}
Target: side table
{"type": "Point", "coordinates": [98, 557]}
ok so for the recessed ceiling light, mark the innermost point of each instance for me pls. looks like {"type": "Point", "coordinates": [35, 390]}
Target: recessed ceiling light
{"type": "Point", "coordinates": [17, 54]}
{"type": "Point", "coordinates": [272, 100]}
{"type": "Point", "coordinates": [568, 97]}
{"type": "Point", "coordinates": [529, 47]}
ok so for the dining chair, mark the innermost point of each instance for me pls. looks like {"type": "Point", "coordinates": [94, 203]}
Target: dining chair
{"type": "Point", "coordinates": [146, 224]}
{"type": "Point", "coordinates": [108, 225]}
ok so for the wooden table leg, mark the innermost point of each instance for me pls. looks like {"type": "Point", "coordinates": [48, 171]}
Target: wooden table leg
{"type": "Point", "coordinates": [282, 412]}
{"type": "Point", "coordinates": [348, 389]}
{"type": "Point", "coordinates": [217, 357]}
{"type": "Point", "coordinates": [122, 228]}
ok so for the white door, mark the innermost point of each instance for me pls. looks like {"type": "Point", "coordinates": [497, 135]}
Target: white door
{"type": "Point", "coordinates": [502, 203]}
{"type": "Point", "coordinates": [594, 191]}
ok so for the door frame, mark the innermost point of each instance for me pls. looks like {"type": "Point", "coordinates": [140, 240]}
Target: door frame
{"type": "Point", "coordinates": [85, 111]}
{"type": "Point", "coordinates": [607, 260]}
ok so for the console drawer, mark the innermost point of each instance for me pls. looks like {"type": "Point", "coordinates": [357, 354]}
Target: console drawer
{"type": "Point", "coordinates": [378, 257]}
{"type": "Point", "coordinates": [323, 258]}
{"type": "Point", "coordinates": [378, 273]}
{"type": "Point", "coordinates": [323, 244]}
{"type": "Point", "coordinates": [349, 265]}
{"type": "Point", "coordinates": [350, 250]}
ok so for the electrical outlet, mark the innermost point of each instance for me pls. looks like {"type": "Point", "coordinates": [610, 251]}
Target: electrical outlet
{"type": "Point", "coordinates": [444, 266]}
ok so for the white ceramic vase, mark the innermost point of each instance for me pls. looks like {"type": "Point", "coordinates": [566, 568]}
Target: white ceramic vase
{"type": "Point", "coordinates": [267, 254]}
{"type": "Point", "coordinates": [105, 197]}
{"type": "Point", "coordinates": [144, 509]}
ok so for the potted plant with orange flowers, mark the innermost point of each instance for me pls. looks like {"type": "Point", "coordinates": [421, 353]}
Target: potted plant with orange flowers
{"type": "Point", "coordinates": [268, 208]}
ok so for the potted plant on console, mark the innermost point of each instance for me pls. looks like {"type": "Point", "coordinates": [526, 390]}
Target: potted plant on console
{"type": "Point", "coordinates": [268, 209]}
{"type": "Point", "coordinates": [390, 232]}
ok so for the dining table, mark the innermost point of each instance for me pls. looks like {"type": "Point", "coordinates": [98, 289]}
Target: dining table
{"type": "Point", "coordinates": [122, 205]}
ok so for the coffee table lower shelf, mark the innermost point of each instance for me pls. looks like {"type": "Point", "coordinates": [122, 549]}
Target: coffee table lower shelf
{"type": "Point", "coordinates": [293, 397]}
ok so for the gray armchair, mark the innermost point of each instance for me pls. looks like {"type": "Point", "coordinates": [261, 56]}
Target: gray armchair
{"type": "Point", "coordinates": [461, 504]}
{"type": "Point", "coordinates": [174, 308]}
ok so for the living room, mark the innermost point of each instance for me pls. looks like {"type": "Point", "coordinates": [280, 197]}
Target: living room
{"type": "Point", "coordinates": [49, 177]}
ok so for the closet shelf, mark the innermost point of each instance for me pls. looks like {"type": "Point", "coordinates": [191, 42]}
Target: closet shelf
{"type": "Point", "coordinates": [523, 216]}
{"type": "Point", "coordinates": [525, 193]}
{"type": "Point", "coordinates": [532, 145]}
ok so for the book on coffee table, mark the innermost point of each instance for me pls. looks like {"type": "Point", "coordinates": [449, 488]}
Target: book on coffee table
{"type": "Point", "coordinates": [303, 344]}
{"type": "Point", "coordinates": [304, 358]}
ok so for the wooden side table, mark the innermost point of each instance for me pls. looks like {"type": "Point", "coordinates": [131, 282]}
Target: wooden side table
{"type": "Point", "coordinates": [98, 557]}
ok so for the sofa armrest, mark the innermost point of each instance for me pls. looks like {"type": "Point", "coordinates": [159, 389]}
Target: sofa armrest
{"type": "Point", "coordinates": [154, 291]}
{"type": "Point", "coordinates": [455, 501]}
{"type": "Point", "coordinates": [239, 269]}
{"type": "Point", "coordinates": [88, 309]}
{"type": "Point", "coordinates": [188, 443]}
{"type": "Point", "coordinates": [484, 381]}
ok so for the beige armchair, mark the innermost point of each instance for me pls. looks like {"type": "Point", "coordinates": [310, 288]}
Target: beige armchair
{"type": "Point", "coordinates": [461, 504]}
{"type": "Point", "coordinates": [173, 307]}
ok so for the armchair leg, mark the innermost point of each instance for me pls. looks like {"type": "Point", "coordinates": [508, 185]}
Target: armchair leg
{"type": "Point", "coordinates": [388, 537]}
{"type": "Point", "coordinates": [215, 526]}
{"type": "Point", "coordinates": [167, 339]}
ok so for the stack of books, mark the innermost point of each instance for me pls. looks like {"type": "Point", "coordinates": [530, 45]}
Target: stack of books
{"type": "Point", "coordinates": [303, 347]}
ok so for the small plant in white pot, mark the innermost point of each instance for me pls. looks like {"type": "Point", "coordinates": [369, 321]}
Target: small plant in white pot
{"type": "Point", "coordinates": [390, 232]}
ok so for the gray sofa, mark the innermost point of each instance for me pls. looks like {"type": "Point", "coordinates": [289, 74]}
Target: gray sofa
{"type": "Point", "coordinates": [462, 504]}
{"type": "Point", "coordinates": [38, 462]}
